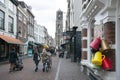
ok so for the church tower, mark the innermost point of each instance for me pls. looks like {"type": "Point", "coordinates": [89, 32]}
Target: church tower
{"type": "Point", "coordinates": [59, 28]}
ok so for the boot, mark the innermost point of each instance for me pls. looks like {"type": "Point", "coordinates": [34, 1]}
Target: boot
{"type": "Point", "coordinates": [36, 69]}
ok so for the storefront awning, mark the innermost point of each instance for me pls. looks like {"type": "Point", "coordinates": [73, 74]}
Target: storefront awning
{"type": "Point", "coordinates": [38, 44]}
{"type": "Point", "coordinates": [10, 40]}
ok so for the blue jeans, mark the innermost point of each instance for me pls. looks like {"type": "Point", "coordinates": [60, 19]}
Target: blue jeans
{"type": "Point", "coordinates": [44, 65]}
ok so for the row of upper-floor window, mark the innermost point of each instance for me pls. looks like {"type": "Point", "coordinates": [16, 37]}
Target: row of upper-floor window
{"type": "Point", "coordinates": [10, 22]}
{"type": "Point", "coordinates": [22, 18]}
{"type": "Point", "coordinates": [39, 30]}
{"type": "Point", "coordinates": [11, 6]}
{"type": "Point", "coordinates": [38, 37]}
{"type": "Point", "coordinates": [31, 19]}
{"type": "Point", "coordinates": [23, 31]}
{"type": "Point", "coordinates": [83, 1]}
{"type": "Point", "coordinates": [30, 30]}
{"type": "Point", "coordinates": [86, 3]}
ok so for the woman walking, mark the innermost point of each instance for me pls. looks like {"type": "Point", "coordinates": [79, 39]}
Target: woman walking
{"type": "Point", "coordinates": [44, 57]}
{"type": "Point", "coordinates": [36, 58]}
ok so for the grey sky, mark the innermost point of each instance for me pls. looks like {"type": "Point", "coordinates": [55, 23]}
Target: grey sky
{"type": "Point", "coordinates": [45, 12]}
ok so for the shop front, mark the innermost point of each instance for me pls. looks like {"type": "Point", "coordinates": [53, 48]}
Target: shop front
{"type": "Point", "coordinates": [30, 48]}
{"type": "Point", "coordinates": [99, 40]}
{"type": "Point", "coordinates": [5, 45]}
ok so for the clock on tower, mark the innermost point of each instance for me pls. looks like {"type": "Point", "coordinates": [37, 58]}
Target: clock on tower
{"type": "Point", "coordinates": [59, 16]}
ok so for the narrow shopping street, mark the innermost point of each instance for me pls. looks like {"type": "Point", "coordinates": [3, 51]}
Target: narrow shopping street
{"type": "Point", "coordinates": [62, 69]}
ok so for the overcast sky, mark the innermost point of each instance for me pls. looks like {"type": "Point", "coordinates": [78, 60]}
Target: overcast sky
{"type": "Point", "coordinates": [45, 12]}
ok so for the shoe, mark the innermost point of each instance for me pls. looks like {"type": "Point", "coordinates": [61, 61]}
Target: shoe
{"type": "Point", "coordinates": [10, 71]}
{"type": "Point", "coordinates": [36, 69]}
{"type": "Point", "coordinates": [43, 70]}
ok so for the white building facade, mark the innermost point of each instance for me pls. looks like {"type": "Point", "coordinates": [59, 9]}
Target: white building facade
{"type": "Point", "coordinates": [39, 33]}
{"type": "Point", "coordinates": [8, 15]}
{"type": "Point", "coordinates": [106, 14]}
{"type": "Point", "coordinates": [8, 28]}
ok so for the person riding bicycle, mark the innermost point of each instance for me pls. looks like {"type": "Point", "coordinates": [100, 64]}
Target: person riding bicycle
{"type": "Point", "coordinates": [44, 57]}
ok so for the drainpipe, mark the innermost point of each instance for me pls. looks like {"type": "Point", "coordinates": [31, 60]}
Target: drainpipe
{"type": "Point", "coordinates": [117, 41]}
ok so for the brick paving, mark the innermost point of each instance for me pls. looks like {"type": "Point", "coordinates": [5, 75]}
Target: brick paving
{"type": "Point", "coordinates": [67, 71]}
{"type": "Point", "coordinates": [28, 72]}
{"type": "Point", "coordinates": [70, 71]}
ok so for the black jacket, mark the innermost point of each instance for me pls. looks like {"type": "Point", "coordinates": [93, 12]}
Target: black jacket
{"type": "Point", "coordinates": [36, 56]}
{"type": "Point", "coordinates": [13, 57]}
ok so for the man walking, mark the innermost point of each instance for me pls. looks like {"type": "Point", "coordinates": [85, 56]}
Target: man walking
{"type": "Point", "coordinates": [12, 59]}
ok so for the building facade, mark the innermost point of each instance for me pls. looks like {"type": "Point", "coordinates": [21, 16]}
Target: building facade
{"type": "Point", "coordinates": [8, 27]}
{"type": "Point", "coordinates": [22, 26]}
{"type": "Point", "coordinates": [36, 32]}
{"type": "Point", "coordinates": [26, 27]}
{"type": "Point", "coordinates": [41, 36]}
{"type": "Point", "coordinates": [101, 16]}
{"type": "Point", "coordinates": [30, 24]}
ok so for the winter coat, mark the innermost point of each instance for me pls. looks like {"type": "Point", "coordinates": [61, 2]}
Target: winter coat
{"type": "Point", "coordinates": [13, 57]}
{"type": "Point", "coordinates": [36, 56]}
{"type": "Point", "coordinates": [44, 57]}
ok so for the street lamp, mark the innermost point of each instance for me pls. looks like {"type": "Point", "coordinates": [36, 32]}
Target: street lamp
{"type": "Point", "coordinates": [74, 35]}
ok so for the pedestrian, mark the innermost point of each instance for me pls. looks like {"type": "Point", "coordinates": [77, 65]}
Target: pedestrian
{"type": "Point", "coordinates": [20, 58]}
{"type": "Point", "coordinates": [36, 58]}
{"type": "Point", "coordinates": [12, 59]}
{"type": "Point", "coordinates": [39, 49]}
{"type": "Point", "coordinates": [44, 57]}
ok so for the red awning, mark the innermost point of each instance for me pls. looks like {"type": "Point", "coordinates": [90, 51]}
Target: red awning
{"type": "Point", "coordinates": [10, 39]}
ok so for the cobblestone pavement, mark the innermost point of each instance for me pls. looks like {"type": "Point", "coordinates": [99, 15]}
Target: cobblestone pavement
{"type": "Point", "coordinates": [62, 69]}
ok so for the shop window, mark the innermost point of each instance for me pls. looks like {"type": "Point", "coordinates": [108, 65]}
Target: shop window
{"type": "Point", "coordinates": [2, 49]}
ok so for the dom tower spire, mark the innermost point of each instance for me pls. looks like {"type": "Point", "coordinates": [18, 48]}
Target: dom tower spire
{"type": "Point", "coordinates": [59, 28]}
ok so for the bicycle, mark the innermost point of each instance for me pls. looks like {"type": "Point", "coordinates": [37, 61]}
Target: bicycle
{"type": "Point", "coordinates": [47, 65]}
